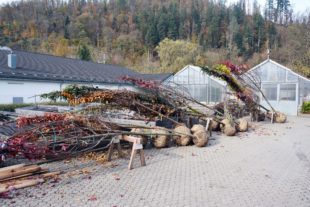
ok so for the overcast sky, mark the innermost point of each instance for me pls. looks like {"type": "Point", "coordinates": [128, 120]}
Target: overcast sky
{"type": "Point", "coordinates": [298, 5]}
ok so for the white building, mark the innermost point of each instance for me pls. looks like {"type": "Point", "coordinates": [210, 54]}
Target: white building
{"type": "Point", "coordinates": [284, 89]}
{"type": "Point", "coordinates": [193, 81]}
{"type": "Point", "coordinates": [24, 75]}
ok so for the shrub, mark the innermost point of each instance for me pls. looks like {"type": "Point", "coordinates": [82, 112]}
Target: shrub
{"type": "Point", "coordinates": [12, 107]}
{"type": "Point", "coordinates": [305, 108]}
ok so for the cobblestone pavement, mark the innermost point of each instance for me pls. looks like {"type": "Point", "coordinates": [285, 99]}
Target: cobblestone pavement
{"type": "Point", "coordinates": [269, 166]}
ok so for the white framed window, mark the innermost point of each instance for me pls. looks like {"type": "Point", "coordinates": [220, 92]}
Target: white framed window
{"type": "Point", "coordinates": [270, 91]}
{"type": "Point", "coordinates": [287, 92]}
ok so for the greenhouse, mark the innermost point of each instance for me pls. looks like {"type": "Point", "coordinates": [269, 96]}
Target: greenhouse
{"type": "Point", "coordinates": [284, 89]}
{"type": "Point", "coordinates": [193, 81]}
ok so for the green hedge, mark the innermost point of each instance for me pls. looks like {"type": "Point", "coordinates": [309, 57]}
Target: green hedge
{"type": "Point", "coordinates": [305, 108]}
{"type": "Point", "coordinates": [59, 103]}
{"type": "Point", "coordinates": [12, 107]}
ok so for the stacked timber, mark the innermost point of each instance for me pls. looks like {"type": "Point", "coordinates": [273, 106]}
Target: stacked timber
{"type": "Point", "coordinates": [22, 176]}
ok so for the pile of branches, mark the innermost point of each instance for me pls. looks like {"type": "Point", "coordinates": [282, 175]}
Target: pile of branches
{"type": "Point", "coordinates": [57, 135]}
{"type": "Point", "coordinates": [62, 135]}
{"type": "Point", "coordinates": [149, 105]}
{"type": "Point", "coordinates": [235, 76]}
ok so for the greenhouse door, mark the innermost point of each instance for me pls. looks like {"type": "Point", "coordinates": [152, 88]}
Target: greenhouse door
{"type": "Point", "coordinates": [282, 96]}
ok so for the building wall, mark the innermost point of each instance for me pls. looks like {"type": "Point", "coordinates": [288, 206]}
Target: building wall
{"type": "Point", "coordinates": [26, 90]}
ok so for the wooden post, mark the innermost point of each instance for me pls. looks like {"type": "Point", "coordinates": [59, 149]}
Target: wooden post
{"type": "Point", "coordinates": [115, 141]}
{"type": "Point", "coordinates": [208, 128]}
{"type": "Point", "coordinates": [272, 117]}
{"type": "Point", "coordinates": [136, 148]}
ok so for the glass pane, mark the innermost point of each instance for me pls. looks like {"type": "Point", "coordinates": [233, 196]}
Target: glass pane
{"type": "Point", "coordinates": [304, 89]}
{"type": "Point", "coordinates": [291, 76]}
{"type": "Point", "coordinates": [263, 73]}
{"type": "Point", "coordinates": [191, 74]}
{"type": "Point", "coordinates": [281, 74]}
{"type": "Point", "coordinates": [273, 73]}
{"type": "Point", "coordinates": [270, 91]}
{"type": "Point", "coordinates": [288, 92]}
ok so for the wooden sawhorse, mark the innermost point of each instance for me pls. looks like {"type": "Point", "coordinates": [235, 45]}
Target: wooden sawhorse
{"type": "Point", "coordinates": [136, 147]}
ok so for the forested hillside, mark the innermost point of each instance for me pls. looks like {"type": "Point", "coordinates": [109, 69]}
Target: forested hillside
{"type": "Point", "coordinates": [157, 35]}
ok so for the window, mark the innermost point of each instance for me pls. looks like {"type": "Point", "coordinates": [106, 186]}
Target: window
{"type": "Point", "coordinates": [216, 94]}
{"type": "Point", "coordinates": [287, 92]}
{"type": "Point", "coordinates": [18, 100]}
{"type": "Point", "coordinates": [270, 91]}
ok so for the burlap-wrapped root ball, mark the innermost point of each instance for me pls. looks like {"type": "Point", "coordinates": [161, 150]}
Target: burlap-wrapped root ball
{"type": "Point", "coordinates": [143, 137]}
{"type": "Point", "coordinates": [215, 126]}
{"type": "Point", "coordinates": [242, 125]}
{"type": "Point", "coordinates": [200, 138]}
{"type": "Point", "coordinates": [280, 117]}
{"type": "Point", "coordinates": [160, 141]}
{"type": "Point", "coordinates": [228, 128]}
{"type": "Point", "coordinates": [183, 139]}
{"type": "Point", "coordinates": [197, 127]}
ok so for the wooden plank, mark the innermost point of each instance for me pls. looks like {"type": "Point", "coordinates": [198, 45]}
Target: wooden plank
{"type": "Point", "coordinates": [51, 174]}
{"type": "Point", "coordinates": [133, 153]}
{"type": "Point", "coordinates": [130, 122]}
{"type": "Point", "coordinates": [110, 151]}
{"type": "Point", "coordinates": [25, 175]}
{"type": "Point", "coordinates": [119, 150]}
{"type": "Point", "coordinates": [12, 167]}
{"type": "Point", "coordinates": [142, 157]}
{"type": "Point", "coordinates": [20, 184]}
{"type": "Point", "coordinates": [131, 139]}
{"type": "Point", "coordinates": [19, 171]}
{"type": "Point", "coordinates": [208, 128]}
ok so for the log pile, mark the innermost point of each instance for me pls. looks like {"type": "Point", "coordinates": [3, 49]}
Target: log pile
{"type": "Point", "coordinates": [22, 176]}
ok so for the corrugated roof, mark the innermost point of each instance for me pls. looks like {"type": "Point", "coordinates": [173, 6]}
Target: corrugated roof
{"type": "Point", "coordinates": [35, 66]}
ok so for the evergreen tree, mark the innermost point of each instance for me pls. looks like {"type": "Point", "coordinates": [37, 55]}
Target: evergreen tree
{"type": "Point", "coordinates": [151, 37]}
{"type": "Point", "coordinates": [196, 18]}
{"type": "Point", "coordinates": [162, 25]}
{"type": "Point", "coordinates": [84, 53]}
{"type": "Point", "coordinates": [66, 30]}
{"type": "Point", "coordinates": [173, 23]}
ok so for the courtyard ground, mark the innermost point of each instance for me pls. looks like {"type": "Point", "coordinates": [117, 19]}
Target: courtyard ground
{"type": "Point", "coordinates": [268, 166]}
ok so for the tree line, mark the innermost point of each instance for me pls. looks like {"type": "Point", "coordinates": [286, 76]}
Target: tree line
{"type": "Point", "coordinates": [129, 32]}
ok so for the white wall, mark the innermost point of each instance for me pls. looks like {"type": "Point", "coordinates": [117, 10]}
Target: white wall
{"type": "Point", "coordinates": [28, 89]}
{"type": "Point", "coordinates": [25, 89]}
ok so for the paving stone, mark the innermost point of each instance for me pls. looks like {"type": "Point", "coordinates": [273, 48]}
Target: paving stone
{"type": "Point", "coordinates": [268, 166]}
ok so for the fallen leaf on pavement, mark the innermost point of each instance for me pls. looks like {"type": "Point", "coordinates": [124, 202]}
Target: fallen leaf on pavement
{"type": "Point", "coordinates": [92, 198]}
